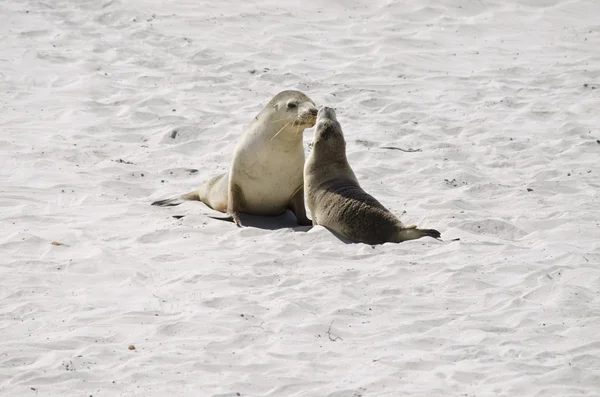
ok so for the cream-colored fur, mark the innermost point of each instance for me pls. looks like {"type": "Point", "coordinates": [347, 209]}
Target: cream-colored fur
{"type": "Point", "coordinates": [265, 177]}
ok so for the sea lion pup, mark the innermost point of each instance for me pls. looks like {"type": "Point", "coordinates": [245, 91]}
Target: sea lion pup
{"type": "Point", "coordinates": [337, 201]}
{"type": "Point", "coordinates": [265, 177]}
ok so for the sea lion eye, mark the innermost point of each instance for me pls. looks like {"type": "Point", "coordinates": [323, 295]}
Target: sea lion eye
{"type": "Point", "coordinates": [292, 105]}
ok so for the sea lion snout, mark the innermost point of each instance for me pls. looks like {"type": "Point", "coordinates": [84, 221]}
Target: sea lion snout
{"type": "Point", "coordinates": [326, 113]}
{"type": "Point", "coordinates": [307, 115]}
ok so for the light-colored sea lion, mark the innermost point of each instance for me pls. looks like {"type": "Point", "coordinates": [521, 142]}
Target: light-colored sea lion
{"type": "Point", "coordinates": [335, 198]}
{"type": "Point", "coordinates": [265, 177]}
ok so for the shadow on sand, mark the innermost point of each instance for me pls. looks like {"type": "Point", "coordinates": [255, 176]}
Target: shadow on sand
{"type": "Point", "coordinates": [283, 221]}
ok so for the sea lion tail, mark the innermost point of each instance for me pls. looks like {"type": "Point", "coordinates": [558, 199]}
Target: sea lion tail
{"type": "Point", "coordinates": [173, 201]}
{"type": "Point", "coordinates": [412, 233]}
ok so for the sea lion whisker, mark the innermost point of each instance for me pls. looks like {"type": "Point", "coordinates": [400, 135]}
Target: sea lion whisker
{"type": "Point", "coordinates": [280, 130]}
{"type": "Point", "coordinates": [275, 121]}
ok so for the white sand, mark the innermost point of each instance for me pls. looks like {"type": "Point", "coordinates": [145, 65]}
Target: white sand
{"type": "Point", "coordinates": [491, 92]}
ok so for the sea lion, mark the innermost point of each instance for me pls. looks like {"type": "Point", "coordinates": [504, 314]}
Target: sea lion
{"type": "Point", "coordinates": [265, 177]}
{"type": "Point", "coordinates": [335, 198]}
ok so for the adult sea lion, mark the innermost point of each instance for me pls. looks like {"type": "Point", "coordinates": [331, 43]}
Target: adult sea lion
{"type": "Point", "coordinates": [265, 177]}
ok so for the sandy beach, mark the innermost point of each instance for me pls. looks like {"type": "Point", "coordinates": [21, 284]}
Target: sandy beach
{"type": "Point", "coordinates": [106, 106]}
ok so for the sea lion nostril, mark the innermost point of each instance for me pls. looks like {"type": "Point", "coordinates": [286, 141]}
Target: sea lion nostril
{"type": "Point", "coordinates": [314, 111]}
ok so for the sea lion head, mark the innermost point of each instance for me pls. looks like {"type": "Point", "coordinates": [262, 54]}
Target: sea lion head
{"type": "Point", "coordinates": [328, 141]}
{"type": "Point", "coordinates": [295, 108]}
{"type": "Point", "coordinates": [328, 127]}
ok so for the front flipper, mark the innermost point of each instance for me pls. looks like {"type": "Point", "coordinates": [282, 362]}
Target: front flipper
{"type": "Point", "coordinates": [235, 202]}
{"type": "Point", "coordinates": [296, 205]}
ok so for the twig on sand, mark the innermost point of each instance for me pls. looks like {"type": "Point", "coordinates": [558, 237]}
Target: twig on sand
{"type": "Point", "coordinates": [335, 338]}
{"type": "Point", "coordinates": [409, 150]}
{"type": "Point", "coordinates": [259, 326]}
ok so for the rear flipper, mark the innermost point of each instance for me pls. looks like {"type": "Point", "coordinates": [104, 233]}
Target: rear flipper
{"type": "Point", "coordinates": [412, 233]}
{"type": "Point", "coordinates": [173, 201]}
